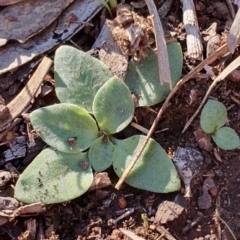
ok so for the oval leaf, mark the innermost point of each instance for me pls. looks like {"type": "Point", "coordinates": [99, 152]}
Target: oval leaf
{"type": "Point", "coordinates": [143, 79]}
{"type": "Point", "coordinates": [101, 154]}
{"type": "Point", "coordinates": [153, 171]}
{"type": "Point", "coordinates": [113, 106]}
{"type": "Point", "coordinates": [213, 116]}
{"type": "Point", "coordinates": [65, 126]}
{"type": "Point", "coordinates": [54, 177]}
{"type": "Point", "coordinates": [226, 138]}
{"type": "Point", "coordinates": [78, 76]}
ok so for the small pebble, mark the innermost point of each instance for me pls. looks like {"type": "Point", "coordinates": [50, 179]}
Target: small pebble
{"type": "Point", "coordinates": [8, 203]}
{"type": "Point", "coordinates": [188, 162]}
{"type": "Point", "coordinates": [213, 191]}
{"type": "Point", "coordinates": [152, 227]}
{"type": "Point", "coordinates": [4, 177]}
{"type": "Point", "coordinates": [219, 172]}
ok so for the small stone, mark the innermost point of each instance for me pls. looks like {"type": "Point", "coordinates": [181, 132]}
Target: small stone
{"type": "Point", "coordinates": [219, 172]}
{"type": "Point", "coordinates": [188, 162]}
{"type": "Point", "coordinates": [172, 19]}
{"type": "Point", "coordinates": [205, 201]}
{"type": "Point", "coordinates": [152, 227]}
{"type": "Point", "coordinates": [72, 17]}
{"type": "Point", "coordinates": [122, 203]}
{"type": "Point", "coordinates": [8, 203]}
{"type": "Point", "coordinates": [213, 191]}
{"type": "Point", "coordinates": [4, 177]}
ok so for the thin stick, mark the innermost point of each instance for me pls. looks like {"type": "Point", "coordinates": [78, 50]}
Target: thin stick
{"type": "Point", "coordinates": [234, 33]}
{"type": "Point", "coordinates": [162, 54]}
{"type": "Point", "coordinates": [130, 235]}
{"type": "Point", "coordinates": [194, 44]}
{"type": "Point", "coordinates": [139, 127]}
{"type": "Point", "coordinates": [21, 101]}
{"type": "Point", "coordinates": [218, 53]}
{"type": "Point", "coordinates": [232, 66]}
{"type": "Point", "coordinates": [229, 229]}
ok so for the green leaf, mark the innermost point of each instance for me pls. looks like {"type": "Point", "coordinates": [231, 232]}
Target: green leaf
{"type": "Point", "coordinates": [213, 116]}
{"type": "Point", "coordinates": [113, 4]}
{"type": "Point", "coordinates": [65, 126]}
{"type": "Point", "coordinates": [142, 77]}
{"type": "Point", "coordinates": [226, 138]}
{"type": "Point", "coordinates": [106, 6]}
{"type": "Point", "coordinates": [54, 177]}
{"type": "Point", "coordinates": [78, 76]}
{"type": "Point", "coordinates": [113, 106]}
{"type": "Point", "coordinates": [153, 171]}
{"type": "Point", "coordinates": [101, 154]}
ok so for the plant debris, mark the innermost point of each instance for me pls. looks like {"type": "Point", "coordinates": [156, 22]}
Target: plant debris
{"type": "Point", "coordinates": [133, 33]}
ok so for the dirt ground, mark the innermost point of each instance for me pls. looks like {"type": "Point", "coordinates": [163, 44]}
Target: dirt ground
{"type": "Point", "coordinates": [87, 217]}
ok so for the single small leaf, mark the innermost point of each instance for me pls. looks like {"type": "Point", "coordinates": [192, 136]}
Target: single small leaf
{"type": "Point", "coordinates": [101, 154]}
{"type": "Point", "coordinates": [142, 77]}
{"type": "Point", "coordinates": [113, 106]}
{"type": "Point", "coordinates": [153, 171]}
{"type": "Point", "coordinates": [213, 116]}
{"type": "Point", "coordinates": [65, 126]}
{"type": "Point", "coordinates": [78, 76]}
{"type": "Point", "coordinates": [226, 138]}
{"type": "Point", "coordinates": [54, 177]}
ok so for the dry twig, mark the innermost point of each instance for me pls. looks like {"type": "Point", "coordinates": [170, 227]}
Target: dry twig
{"type": "Point", "coordinates": [194, 43]}
{"type": "Point", "coordinates": [162, 54]}
{"type": "Point", "coordinates": [20, 102]}
{"type": "Point", "coordinates": [234, 33]}
{"type": "Point", "coordinates": [130, 234]}
{"type": "Point", "coordinates": [165, 233]}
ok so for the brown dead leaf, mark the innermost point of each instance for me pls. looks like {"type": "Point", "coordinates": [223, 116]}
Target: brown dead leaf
{"type": "Point", "coordinates": [25, 19]}
{"type": "Point", "coordinates": [203, 140]}
{"type": "Point", "coordinates": [205, 201]}
{"type": "Point", "coordinates": [217, 155]}
{"type": "Point", "coordinates": [15, 54]}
